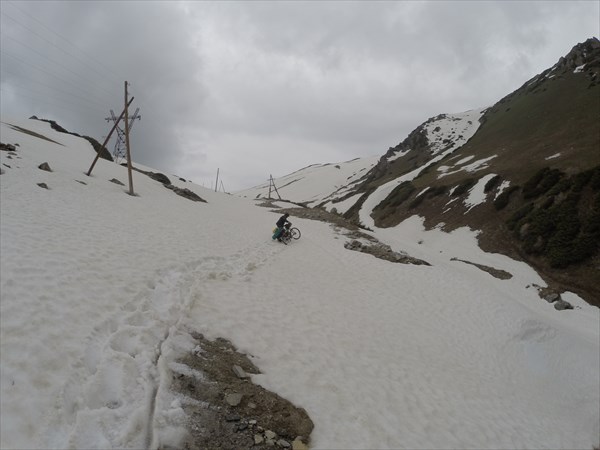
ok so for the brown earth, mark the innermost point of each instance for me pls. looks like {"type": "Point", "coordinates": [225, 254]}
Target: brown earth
{"type": "Point", "coordinates": [217, 422]}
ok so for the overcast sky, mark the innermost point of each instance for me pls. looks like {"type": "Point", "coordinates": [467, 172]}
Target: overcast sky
{"type": "Point", "coordinates": [258, 88]}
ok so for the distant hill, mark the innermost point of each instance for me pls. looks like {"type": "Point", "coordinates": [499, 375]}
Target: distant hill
{"type": "Point", "coordinates": [525, 172]}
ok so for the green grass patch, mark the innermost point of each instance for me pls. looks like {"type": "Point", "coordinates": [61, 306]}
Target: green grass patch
{"type": "Point", "coordinates": [565, 231]}
{"type": "Point", "coordinates": [541, 182]}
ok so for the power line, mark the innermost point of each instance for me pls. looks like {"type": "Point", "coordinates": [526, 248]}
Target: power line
{"type": "Point", "coordinates": [43, 38]}
{"type": "Point", "coordinates": [28, 90]}
{"type": "Point", "coordinates": [70, 108]}
{"type": "Point", "coordinates": [45, 71]}
{"type": "Point", "coordinates": [14, 5]}
{"type": "Point", "coordinates": [47, 85]}
{"type": "Point", "coordinates": [51, 60]}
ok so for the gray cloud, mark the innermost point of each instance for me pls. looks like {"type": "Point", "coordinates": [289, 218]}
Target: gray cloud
{"type": "Point", "coordinates": [259, 88]}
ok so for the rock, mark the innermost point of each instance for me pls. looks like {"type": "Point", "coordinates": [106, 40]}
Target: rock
{"type": "Point", "coordinates": [299, 445]}
{"type": "Point", "coordinates": [233, 399]}
{"type": "Point", "coordinates": [1, 171]}
{"type": "Point", "coordinates": [7, 147]}
{"type": "Point", "coordinates": [270, 434]}
{"type": "Point", "coordinates": [81, 182]}
{"type": "Point", "coordinates": [43, 185]}
{"type": "Point", "coordinates": [258, 439]}
{"type": "Point", "coordinates": [45, 166]}
{"type": "Point", "coordinates": [239, 372]}
{"type": "Point", "coordinates": [160, 177]}
{"type": "Point", "coordinates": [252, 422]}
{"type": "Point", "coordinates": [283, 443]}
{"type": "Point", "coordinates": [270, 442]}
{"type": "Point", "coordinates": [553, 297]}
{"type": "Point", "coordinates": [242, 426]}
{"type": "Point", "coordinates": [185, 193]}
{"type": "Point", "coordinates": [233, 418]}
{"type": "Point", "coordinates": [114, 180]}
{"type": "Point", "coordinates": [561, 305]}
{"type": "Point", "coordinates": [252, 405]}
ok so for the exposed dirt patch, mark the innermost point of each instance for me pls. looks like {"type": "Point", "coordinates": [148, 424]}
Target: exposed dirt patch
{"type": "Point", "coordinates": [384, 252]}
{"type": "Point", "coordinates": [496, 273]}
{"type": "Point", "coordinates": [232, 412]}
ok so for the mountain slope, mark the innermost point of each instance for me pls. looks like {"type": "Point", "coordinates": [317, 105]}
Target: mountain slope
{"type": "Point", "coordinates": [524, 172]}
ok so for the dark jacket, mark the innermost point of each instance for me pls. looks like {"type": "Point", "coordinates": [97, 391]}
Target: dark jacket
{"type": "Point", "coordinates": [281, 222]}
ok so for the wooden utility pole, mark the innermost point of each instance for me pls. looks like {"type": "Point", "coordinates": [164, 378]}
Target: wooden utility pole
{"type": "Point", "coordinates": [129, 170]}
{"type": "Point", "coordinates": [107, 138]}
{"type": "Point", "coordinates": [217, 182]}
{"type": "Point", "coordinates": [272, 184]}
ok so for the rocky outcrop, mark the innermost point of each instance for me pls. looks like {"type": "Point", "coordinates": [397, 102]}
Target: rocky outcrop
{"type": "Point", "coordinates": [383, 251]}
{"type": "Point", "coordinates": [228, 410]}
{"type": "Point", "coordinates": [164, 180]}
{"type": "Point", "coordinates": [104, 153]}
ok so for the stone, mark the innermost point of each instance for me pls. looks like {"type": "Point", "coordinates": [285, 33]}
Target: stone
{"type": "Point", "coordinates": [283, 443]}
{"type": "Point", "coordinates": [562, 305]}
{"type": "Point", "coordinates": [252, 405]}
{"type": "Point", "coordinates": [242, 426]}
{"type": "Point", "coordinates": [114, 180]}
{"type": "Point", "coordinates": [258, 439]}
{"type": "Point", "coordinates": [233, 399]}
{"type": "Point", "coordinates": [43, 185]}
{"type": "Point", "coordinates": [270, 434]}
{"type": "Point", "coordinates": [7, 147]}
{"type": "Point", "coordinates": [185, 193]}
{"type": "Point", "coordinates": [299, 445]}
{"type": "Point", "coordinates": [160, 177]}
{"type": "Point", "coordinates": [233, 418]}
{"type": "Point", "coordinates": [239, 372]}
{"type": "Point", "coordinates": [270, 442]}
{"type": "Point", "coordinates": [551, 298]}
{"type": "Point", "coordinates": [45, 166]}
{"type": "Point", "coordinates": [252, 422]}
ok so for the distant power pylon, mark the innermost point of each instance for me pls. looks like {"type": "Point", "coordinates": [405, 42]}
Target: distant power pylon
{"type": "Point", "coordinates": [120, 150]}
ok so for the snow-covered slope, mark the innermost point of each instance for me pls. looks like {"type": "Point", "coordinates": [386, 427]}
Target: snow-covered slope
{"type": "Point", "coordinates": [315, 183]}
{"type": "Point", "coordinates": [100, 291]}
{"type": "Point", "coordinates": [327, 184]}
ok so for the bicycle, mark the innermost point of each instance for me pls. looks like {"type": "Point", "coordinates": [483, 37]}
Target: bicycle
{"type": "Point", "coordinates": [289, 233]}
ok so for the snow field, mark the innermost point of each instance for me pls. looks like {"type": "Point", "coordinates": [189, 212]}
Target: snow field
{"type": "Point", "coordinates": [101, 290]}
{"type": "Point", "coordinates": [80, 264]}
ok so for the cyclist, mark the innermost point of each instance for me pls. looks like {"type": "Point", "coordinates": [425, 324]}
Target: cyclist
{"type": "Point", "coordinates": [280, 226]}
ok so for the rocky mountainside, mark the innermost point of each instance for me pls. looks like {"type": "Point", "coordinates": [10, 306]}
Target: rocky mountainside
{"type": "Point", "coordinates": [525, 172]}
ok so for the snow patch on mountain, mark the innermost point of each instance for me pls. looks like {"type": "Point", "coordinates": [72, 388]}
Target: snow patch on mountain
{"type": "Point", "coordinates": [315, 183]}
{"type": "Point", "coordinates": [451, 131]}
{"type": "Point", "coordinates": [476, 194]}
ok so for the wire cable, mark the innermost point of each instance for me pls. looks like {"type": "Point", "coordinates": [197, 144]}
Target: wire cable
{"type": "Point", "coordinates": [69, 108]}
{"type": "Point", "coordinates": [3, 13]}
{"type": "Point", "coordinates": [51, 60]}
{"type": "Point", "coordinates": [4, 53]}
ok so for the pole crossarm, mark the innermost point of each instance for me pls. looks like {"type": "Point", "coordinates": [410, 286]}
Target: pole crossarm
{"type": "Point", "coordinates": [108, 137]}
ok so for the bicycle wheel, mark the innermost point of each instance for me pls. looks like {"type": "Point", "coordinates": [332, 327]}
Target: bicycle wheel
{"type": "Point", "coordinates": [286, 238]}
{"type": "Point", "coordinates": [295, 232]}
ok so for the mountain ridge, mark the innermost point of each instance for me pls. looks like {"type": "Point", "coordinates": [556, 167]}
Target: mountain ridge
{"type": "Point", "coordinates": [534, 153]}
